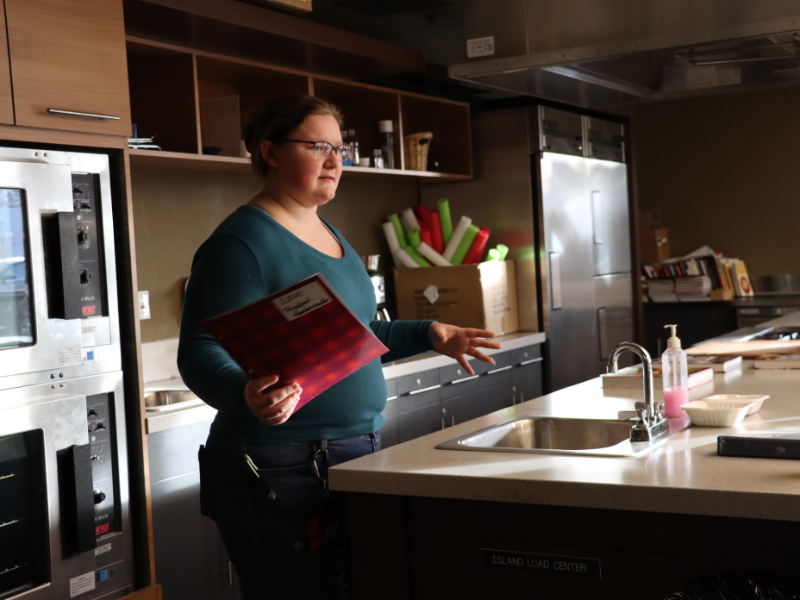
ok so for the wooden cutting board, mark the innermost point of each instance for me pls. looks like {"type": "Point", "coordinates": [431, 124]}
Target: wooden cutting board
{"type": "Point", "coordinates": [754, 349]}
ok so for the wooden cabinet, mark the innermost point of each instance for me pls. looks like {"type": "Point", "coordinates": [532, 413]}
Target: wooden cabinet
{"type": "Point", "coordinates": [68, 55]}
{"type": "Point", "coordinates": [208, 99]}
{"type": "Point", "coordinates": [6, 101]}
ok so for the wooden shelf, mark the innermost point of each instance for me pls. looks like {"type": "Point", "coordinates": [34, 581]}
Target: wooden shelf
{"type": "Point", "coordinates": [184, 161]}
{"type": "Point", "coordinates": [191, 99]}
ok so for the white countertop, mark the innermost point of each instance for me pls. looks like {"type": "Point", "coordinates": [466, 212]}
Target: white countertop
{"type": "Point", "coordinates": [684, 475]}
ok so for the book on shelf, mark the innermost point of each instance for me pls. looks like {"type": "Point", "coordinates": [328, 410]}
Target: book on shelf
{"type": "Point", "coordinates": [699, 277]}
{"type": "Point", "coordinates": [631, 377]}
{"type": "Point", "coordinates": [304, 333]}
{"type": "Point", "coordinates": [720, 363]}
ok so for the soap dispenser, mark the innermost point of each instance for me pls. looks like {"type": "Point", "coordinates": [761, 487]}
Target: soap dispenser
{"type": "Point", "coordinates": [675, 370]}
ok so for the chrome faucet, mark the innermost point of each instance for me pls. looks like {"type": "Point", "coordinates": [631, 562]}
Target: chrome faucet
{"type": "Point", "coordinates": [652, 422]}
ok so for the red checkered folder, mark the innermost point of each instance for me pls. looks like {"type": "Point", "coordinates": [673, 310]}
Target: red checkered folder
{"type": "Point", "coordinates": [305, 333]}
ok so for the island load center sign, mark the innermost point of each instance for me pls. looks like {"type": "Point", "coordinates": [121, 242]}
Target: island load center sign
{"type": "Point", "coordinates": [564, 566]}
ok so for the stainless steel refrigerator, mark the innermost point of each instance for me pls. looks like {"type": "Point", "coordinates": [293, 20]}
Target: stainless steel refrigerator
{"type": "Point", "coordinates": [553, 185]}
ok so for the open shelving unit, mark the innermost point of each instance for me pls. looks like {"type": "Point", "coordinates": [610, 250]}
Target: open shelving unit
{"type": "Point", "coordinates": [192, 100]}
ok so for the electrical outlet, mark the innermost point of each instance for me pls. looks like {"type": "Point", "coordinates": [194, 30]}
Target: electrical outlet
{"type": "Point", "coordinates": [144, 305]}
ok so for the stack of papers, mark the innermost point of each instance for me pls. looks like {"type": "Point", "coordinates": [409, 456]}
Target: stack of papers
{"type": "Point", "coordinates": [661, 290]}
{"type": "Point", "coordinates": [142, 143]}
{"type": "Point", "coordinates": [693, 289]}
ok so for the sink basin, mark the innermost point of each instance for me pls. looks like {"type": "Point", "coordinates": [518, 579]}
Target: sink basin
{"type": "Point", "coordinates": [542, 434]}
{"type": "Point", "coordinates": [160, 400]}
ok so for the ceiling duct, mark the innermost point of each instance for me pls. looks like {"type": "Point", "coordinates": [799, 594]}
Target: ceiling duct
{"type": "Point", "coordinates": [593, 53]}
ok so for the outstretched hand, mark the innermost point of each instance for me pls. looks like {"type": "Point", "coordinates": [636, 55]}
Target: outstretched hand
{"type": "Point", "coordinates": [458, 343]}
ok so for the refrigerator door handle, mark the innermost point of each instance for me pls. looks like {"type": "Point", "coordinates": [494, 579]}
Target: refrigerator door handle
{"type": "Point", "coordinates": [555, 280]}
{"type": "Point", "coordinates": [597, 217]}
{"type": "Point", "coordinates": [602, 331]}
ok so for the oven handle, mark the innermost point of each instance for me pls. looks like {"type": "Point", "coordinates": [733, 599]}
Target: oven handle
{"type": "Point", "coordinates": [76, 499]}
{"type": "Point", "coordinates": [62, 266]}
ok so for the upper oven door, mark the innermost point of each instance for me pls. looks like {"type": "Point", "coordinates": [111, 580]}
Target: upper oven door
{"type": "Point", "coordinates": [40, 325]}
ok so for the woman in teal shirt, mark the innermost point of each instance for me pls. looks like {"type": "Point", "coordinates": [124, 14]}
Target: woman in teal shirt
{"type": "Point", "coordinates": [264, 469]}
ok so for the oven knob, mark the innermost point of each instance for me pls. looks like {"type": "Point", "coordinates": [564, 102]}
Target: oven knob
{"type": "Point", "coordinates": [85, 276]}
{"type": "Point", "coordinates": [99, 496]}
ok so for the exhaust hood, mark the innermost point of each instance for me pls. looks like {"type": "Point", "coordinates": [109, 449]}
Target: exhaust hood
{"type": "Point", "coordinates": [594, 53]}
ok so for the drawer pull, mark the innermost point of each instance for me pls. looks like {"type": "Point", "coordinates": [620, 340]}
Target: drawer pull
{"type": "Point", "coordinates": [530, 362]}
{"type": "Point", "coordinates": [462, 380]}
{"type": "Point", "coordinates": [391, 398]}
{"type": "Point", "coordinates": [500, 370]}
{"type": "Point", "coordinates": [423, 390]}
{"type": "Point", "coordinates": [56, 111]}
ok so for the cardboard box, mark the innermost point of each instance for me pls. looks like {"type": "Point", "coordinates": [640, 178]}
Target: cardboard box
{"type": "Point", "coordinates": [482, 296]}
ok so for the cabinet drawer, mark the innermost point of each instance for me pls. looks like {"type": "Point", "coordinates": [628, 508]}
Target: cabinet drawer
{"type": "Point", "coordinates": [389, 431]}
{"type": "Point", "coordinates": [526, 356]}
{"type": "Point", "coordinates": [417, 382]}
{"type": "Point", "coordinates": [456, 381]}
{"type": "Point", "coordinates": [475, 404]}
{"type": "Point", "coordinates": [173, 451]}
{"type": "Point", "coordinates": [391, 389]}
{"type": "Point", "coordinates": [421, 421]}
{"type": "Point", "coordinates": [417, 390]}
{"type": "Point", "coordinates": [69, 56]}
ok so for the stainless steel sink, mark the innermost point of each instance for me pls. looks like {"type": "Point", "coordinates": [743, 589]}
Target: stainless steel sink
{"type": "Point", "coordinates": [161, 400]}
{"type": "Point", "coordinates": [541, 434]}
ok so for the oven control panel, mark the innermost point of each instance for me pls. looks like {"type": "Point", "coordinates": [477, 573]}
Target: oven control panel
{"type": "Point", "coordinates": [89, 238]}
{"type": "Point", "coordinates": [105, 479]}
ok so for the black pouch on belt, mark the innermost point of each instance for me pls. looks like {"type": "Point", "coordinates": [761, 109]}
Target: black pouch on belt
{"type": "Point", "coordinates": [206, 480]}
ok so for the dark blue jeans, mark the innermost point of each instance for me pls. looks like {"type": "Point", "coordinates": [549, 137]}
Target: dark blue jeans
{"type": "Point", "coordinates": [285, 533]}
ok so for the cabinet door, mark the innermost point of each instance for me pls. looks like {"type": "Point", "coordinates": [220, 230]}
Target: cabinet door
{"type": "Point", "coordinates": [6, 103]}
{"type": "Point", "coordinates": [69, 55]}
{"type": "Point", "coordinates": [191, 561]}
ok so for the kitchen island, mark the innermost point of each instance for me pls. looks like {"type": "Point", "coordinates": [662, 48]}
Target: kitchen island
{"type": "Point", "coordinates": [445, 523]}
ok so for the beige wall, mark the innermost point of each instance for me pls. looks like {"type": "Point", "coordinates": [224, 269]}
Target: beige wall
{"type": "Point", "coordinates": [174, 212]}
{"type": "Point", "coordinates": [724, 171]}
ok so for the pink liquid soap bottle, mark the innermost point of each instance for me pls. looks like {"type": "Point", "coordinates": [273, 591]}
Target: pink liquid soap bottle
{"type": "Point", "coordinates": [675, 370]}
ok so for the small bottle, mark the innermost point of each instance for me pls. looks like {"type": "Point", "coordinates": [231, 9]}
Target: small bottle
{"type": "Point", "coordinates": [377, 158]}
{"type": "Point", "coordinates": [347, 162]}
{"type": "Point", "coordinates": [675, 369]}
{"type": "Point", "coordinates": [353, 141]}
{"type": "Point", "coordinates": [386, 132]}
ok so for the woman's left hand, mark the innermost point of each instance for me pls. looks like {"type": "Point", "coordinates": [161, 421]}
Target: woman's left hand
{"type": "Point", "coordinates": [457, 342]}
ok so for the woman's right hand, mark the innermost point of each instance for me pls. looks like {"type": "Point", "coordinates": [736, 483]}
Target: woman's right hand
{"type": "Point", "coordinates": [272, 407]}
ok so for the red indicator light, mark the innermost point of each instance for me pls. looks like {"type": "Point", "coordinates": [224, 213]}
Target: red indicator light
{"type": "Point", "coordinates": [101, 529]}
{"type": "Point", "coordinates": [88, 310]}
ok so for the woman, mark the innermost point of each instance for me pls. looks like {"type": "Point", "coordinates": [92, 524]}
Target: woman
{"type": "Point", "coordinates": [264, 469]}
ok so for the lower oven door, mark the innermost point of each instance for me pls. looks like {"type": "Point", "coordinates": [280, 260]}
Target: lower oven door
{"type": "Point", "coordinates": [64, 518]}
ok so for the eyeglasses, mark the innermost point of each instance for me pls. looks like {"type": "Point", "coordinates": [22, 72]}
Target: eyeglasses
{"type": "Point", "coordinates": [324, 149]}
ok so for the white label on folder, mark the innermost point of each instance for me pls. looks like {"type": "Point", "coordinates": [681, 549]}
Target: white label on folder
{"type": "Point", "coordinates": [302, 301]}
{"type": "Point", "coordinates": [80, 584]}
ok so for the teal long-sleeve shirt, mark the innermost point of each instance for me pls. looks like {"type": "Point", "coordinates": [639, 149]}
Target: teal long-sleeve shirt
{"type": "Point", "coordinates": [250, 256]}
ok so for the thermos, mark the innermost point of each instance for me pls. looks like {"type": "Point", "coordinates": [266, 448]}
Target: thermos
{"type": "Point", "coordinates": [387, 143]}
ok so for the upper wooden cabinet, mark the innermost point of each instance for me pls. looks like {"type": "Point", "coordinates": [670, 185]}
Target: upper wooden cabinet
{"type": "Point", "coordinates": [68, 55]}
{"type": "Point", "coordinates": [6, 103]}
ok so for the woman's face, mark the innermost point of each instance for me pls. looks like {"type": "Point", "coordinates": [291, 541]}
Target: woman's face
{"type": "Point", "coordinates": [309, 180]}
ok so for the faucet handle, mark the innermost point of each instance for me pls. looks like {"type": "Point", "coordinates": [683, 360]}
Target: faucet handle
{"type": "Point", "coordinates": [642, 412]}
{"type": "Point", "coordinates": [660, 409]}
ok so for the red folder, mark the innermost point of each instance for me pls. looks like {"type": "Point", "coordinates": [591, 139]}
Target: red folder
{"type": "Point", "coordinates": [304, 333]}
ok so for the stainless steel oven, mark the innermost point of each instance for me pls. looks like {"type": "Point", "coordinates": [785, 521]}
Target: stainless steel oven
{"type": "Point", "coordinates": [64, 512]}
{"type": "Point", "coordinates": [58, 299]}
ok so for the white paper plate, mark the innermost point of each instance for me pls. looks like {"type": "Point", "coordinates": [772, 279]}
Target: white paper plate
{"type": "Point", "coordinates": [716, 413]}
{"type": "Point", "coordinates": [756, 399]}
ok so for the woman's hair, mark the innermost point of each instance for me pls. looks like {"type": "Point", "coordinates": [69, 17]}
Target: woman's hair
{"type": "Point", "coordinates": [278, 119]}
